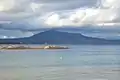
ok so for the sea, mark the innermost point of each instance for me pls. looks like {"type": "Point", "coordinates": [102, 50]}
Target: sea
{"type": "Point", "coordinates": [80, 62]}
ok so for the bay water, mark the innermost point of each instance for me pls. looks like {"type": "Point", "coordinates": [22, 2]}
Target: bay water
{"type": "Point", "coordinates": [80, 62]}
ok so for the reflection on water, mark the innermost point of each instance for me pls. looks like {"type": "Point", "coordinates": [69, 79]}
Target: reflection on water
{"type": "Point", "coordinates": [78, 63]}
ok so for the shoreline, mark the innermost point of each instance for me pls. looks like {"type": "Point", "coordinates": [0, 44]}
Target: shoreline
{"type": "Point", "coordinates": [24, 47]}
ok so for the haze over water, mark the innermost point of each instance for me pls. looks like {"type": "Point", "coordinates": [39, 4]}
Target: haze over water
{"type": "Point", "coordinates": [80, 62]}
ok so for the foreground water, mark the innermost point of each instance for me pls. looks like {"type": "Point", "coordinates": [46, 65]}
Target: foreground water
{"type": "Point", "coordinates": [85, 62]}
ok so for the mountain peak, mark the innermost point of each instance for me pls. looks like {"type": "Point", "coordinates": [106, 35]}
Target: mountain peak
{"type": "Point", "coordinates": [53, 31]}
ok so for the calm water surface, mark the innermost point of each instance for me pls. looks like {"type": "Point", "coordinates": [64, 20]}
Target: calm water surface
{"type": "Point", "coordinates": [85, 62]}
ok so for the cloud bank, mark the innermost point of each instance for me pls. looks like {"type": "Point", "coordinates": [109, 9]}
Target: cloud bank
{"type": "Point", "coordinates": [104, 13]}
{"type": "Point", "coordinates": [23, 15]}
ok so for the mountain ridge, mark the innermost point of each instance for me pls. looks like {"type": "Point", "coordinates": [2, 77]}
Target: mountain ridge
{"type": "Point", "coordinates": [57, 37]}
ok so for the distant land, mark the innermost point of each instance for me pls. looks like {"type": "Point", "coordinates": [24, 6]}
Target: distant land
{"type": "Point", "coordinates": [57, 37]}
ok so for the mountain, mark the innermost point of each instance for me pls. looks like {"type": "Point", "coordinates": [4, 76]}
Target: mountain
{"type": "Point", "coordinates": [57, 37]}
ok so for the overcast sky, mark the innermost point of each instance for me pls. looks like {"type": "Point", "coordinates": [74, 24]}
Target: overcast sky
{"type": "Point", "coordinates": [17, 17]}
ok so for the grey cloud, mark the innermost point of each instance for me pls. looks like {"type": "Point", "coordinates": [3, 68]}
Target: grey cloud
{"type": "Point", "coordinates": [22, 10]}
{"type": "Point", "coordinates": [107, 33]}
{"type": "Point", "coordinates": [65, 1]}
{"type": "Point", "coordinates": [51, 5]}
{"type": "Point", "coordinates": [18, 6]}
{"type": "Point", "coordinates": [15, 33]}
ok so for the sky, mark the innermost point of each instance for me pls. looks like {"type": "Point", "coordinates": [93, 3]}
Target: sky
{"type": "Point", "coordinates": [94, 18]}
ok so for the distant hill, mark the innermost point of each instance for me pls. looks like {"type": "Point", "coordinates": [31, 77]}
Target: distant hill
{"type": "Point", "coordinates": [57, 37]}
